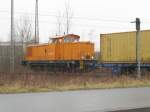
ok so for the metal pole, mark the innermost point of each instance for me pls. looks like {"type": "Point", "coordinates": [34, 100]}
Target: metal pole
{"type": "Point", "coordinates": [12, 55]}
{"type": "Point", "coordinates": [138, 47]}
{"type": "Point", "coordinates": [36, 23]}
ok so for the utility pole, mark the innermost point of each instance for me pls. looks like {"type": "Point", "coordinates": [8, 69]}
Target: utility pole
{"type": "Point", "coordinates": [36, 23]}
{"type": "Point", "coordinates": [138, 47]}
{"type": "Point", "coordinates": [138, 41]}
{"type": "Point", "coordinates": [12, 53]}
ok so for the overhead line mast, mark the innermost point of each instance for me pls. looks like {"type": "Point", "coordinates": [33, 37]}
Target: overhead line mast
{"type": "Point", "coordinates": [36, 23]}
{"type": "Point", "coordinates": [12, 51]}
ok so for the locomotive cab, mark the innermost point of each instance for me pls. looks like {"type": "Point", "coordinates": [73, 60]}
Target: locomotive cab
{"type": "Point", "coordinates": [65, 39]}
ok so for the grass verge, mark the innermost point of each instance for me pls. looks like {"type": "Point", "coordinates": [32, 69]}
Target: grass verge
{"type": "Point", "coordinates": [24, 83]}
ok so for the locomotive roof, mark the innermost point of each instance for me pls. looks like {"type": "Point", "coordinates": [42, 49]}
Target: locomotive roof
{"type": "Point", "coordinates": [68, 35]}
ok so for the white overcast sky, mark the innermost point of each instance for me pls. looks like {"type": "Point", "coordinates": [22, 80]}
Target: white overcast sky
{"type": "Point", "coordinates": [90, 17]}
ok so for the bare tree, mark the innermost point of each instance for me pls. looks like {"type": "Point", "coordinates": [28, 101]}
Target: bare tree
{"type": "Point", "coordinates": [24, 30]}
{"type": "Point", "coordinates": [68, 14]}
{"type": "Point", "coordinates": [91, 34]}
{"type": "Point", "coordinates": [59, 24]}
{"type": "Point", "coordinates": [64, 21]}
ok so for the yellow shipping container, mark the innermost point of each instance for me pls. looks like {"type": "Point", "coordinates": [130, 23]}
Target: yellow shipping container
{"type": "Point", "coordinates": [121, 47]}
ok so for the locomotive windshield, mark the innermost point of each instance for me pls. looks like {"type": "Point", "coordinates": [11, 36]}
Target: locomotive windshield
{"type": "Point", "coordinates": [70, 39]}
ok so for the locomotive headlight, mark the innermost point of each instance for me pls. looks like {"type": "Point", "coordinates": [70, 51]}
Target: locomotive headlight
{"type": "Point", "coordinates": [82, 57]}
{"type": "Point", "coordinates": [92, 57]}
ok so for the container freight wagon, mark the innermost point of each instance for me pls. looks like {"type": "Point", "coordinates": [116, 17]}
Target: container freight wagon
{"type": "Point", "coordinates": [61, 53]}
{"type": "Point", "coordinates": [118, 50]}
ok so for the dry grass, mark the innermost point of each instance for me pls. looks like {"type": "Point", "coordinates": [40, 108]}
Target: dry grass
{"type": "Point", "coordinates": [42, 82]}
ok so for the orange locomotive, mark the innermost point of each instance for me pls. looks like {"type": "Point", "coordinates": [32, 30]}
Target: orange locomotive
{"type": "Point", "coordinates": [64, 52]}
